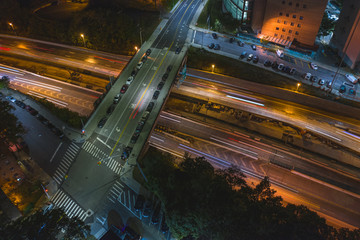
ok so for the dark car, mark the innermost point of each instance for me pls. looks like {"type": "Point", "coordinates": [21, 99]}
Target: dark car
{"type": "Point", "coordinates": [124, 88]}
{"type": "Point", "coordinates": [164, 226]}
{"type": "Point", "coordinates": [148, 52]}
{"type": "Point", "coordinates": [139, 203]}
{"type": "Point", "coordinates": [165, 76]}
{"type": "Point", "coordinates": [178, 50]}
{"type": "Point", "coordinates": [110, 109]}
{"type": "Point", "coordinates": [133, 73]}
{"type": "Point", "coordinates": [135, 137]}
{"type": "Point", "coordinates": [42, 119]}
{"type": "Point", "coordinates": [286, 69]}
{"type": "Point", "coordinates": [313, 78]}
{"type": "Point", "coordinates": [241, 44]}
{"type": "Point", "coordinates": [20, 104]}
{"type": "Point", "coordinates": [214, 35]}
{"type": "Point", "coordinates": [126, 153]}
{"type": "Point", "coordinates": [156, 215]}
{"type": "Point", "coordinates": [267, 63]}
{"type": "Point", "coordinates": [156, 95]}
{"type": "Point", "coordinates": [231, 40]}
{"type": "Point", "coordinates": [342, 89]}
{"type": "Point", "coordinates": [255, 59]}
{"type": "Point", "coordinates": [292, 71]}
{"type": "Point", "coordinates": [352, 91]}
{"type": "Point", "coordinates": [217, 47]}
{"type": "Point", "coordinates": [102, 122]}
{"type": "Point", "coordinates": [211, 45]}
{"type": "Point", "coordinates": [274, 65]}
{"type": "Point", "coordinates": [160, 85]}
{"type": "Point", "coordinates": [143, 59]}
{"type": "Point", "coordinates": [147, 209]}
{"type": "Point", "coordinates": [253, 47]}
{"type": "Point", "coordinates": [150, 106]}
{"type": "Point", "coordinates": [168, 69]}
{"type": "Point", "coordinates": [243, 54]}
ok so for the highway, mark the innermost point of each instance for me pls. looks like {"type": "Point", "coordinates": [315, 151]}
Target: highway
{"type": "Point", "coordinates": [62, 94]}
{"type": "Point", "coordinates": [224, 148]}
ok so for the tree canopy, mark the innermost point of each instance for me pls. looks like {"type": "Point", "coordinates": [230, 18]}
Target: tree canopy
{"type": "Point", "coordinates": [45, 226]}
{"type": "Point", "coordinates": [202, 202]}
{"type": "Point", "coordinates": [327, 25]}
{"type": "Point", "coordinates": [10, 127]}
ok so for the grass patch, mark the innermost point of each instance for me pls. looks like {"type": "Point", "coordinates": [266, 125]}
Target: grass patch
{"type": "Point", "coordinates": [73, 119]}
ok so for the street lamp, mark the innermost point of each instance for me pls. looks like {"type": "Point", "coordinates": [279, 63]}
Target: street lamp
{"type": "Point", "coordinates": [213, 67]}
{"type": "Point", "coordinates": [83, 38]}
{"type": "Point", "coordinates": [298, 85]}
{"type": "Point", "coordinates": [12, 27]}
{"type": "Point", "coordinates": [136, 48]}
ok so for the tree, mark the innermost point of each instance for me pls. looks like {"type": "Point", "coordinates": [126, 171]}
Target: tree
{"type": "Point", "coordinates": [10, 128]}
{"type": "Point", "coordinates": [327, 26]}
{"type": "Point", "coordinates": [45, 226]}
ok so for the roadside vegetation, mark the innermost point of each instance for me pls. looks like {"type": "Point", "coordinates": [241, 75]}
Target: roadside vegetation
{"type": "Point", "coordinates": [202, 202]}
{"type": "Point", "coordinates": [10, 127]}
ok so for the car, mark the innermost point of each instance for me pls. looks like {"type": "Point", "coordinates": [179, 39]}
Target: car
{"type": "Point", "coordinates": [351, 78]}
{"type": "Point", "coordinates": [274, 65]}
{"type": "Point", "coordinates": [110, 109]}
{"type": "Point", "coordinates": [211, 45]}
{"type": "Point", "coordinates": [117, 98]}
{"type": "Point", "coordinates": [102, 122]}
{"type": "Point", "coordinates": [253, 47]}
{"type": "Point", "coordinates": [133, 73]}
{"type": "Point", "coordinates": [20, 104]}
{"type": "Point", "coordinates": [281, 66]}
{"type": "Point", "coordinates": [143, 59]}
{"type": "Point", "coordinates": [231, 40]}
{"type": "Point", "coordinates": [217, 47]}
{"type": "Point", "coordinates": [164, 227]}
{"type": "Point", "coordinates": [342, 89]}
{"type": "Point", "coordinates": [145, 115]}
{"type": "Point", "coordinates": [313, 78]}
{"type": "Point", "coordinates": [139, 65]}
{"type": "Point", "coordinates": [255, 59]}
{"type": "Point", "coordinates": [10, 98]}
{"type": "Point", "coordinates": [292, 71]}
{"type": "Point", "coordinates": [135, 137]}
{"type": "Point", "coordinates": [178, 50]}
{"type": "Point", "coordinates": [307, 76]}
{"type": "Point", "coordinates": [214, 35]}
{"type": "Point", "coordinates": [352, 91]}
{"type": "Point", "coordinates": [148, 52]}
{"type": "Point", "coordinates": [321, 81]}
{"type": "Point", "coordinates": [280, 53]}
{"type": "Point", "coordinates": [168, 69]}
{"type": "Point", "coordinates": [160, 85]}
{"type": "Point", "coordinates": [147, 209]}
{"type": "Point", "coordinates": [313, 66]}
{"type": "Point", "coordinates": [42, 119]}
{"type": "Point", "coordinates": [124, 88]}
{"type": "Point", "coordinates": [250, 57]}
{"type": "Point", "coordinates": [150, 106]}
{"type": "Point", "coordinates": [5, 78]}
{"type": "Point", "coordinates": [240, 43]}
{"type": "Point", "coordinates": [165, 76]}
{"type": "Point", "coordinates": [31, 110]}
{"type": "Point", "coordinates": [129, 80]}
{"type": "Point", "coordinates": [156, 95]}
{"type": "Point", "coordinates": [286, 69]}
{"type": "Point", "coordinates": [328, 84]}
{"type": "Point", "coordinates": [126, 153]}
{"type": "Point", "coordinates": [139, 203]}
{"type": "Point", "coordinates": [156, 215]}
{"type": "Point", "coordinates": [267, 63]}
{"type": "Point", "coordinates": [243, 54]}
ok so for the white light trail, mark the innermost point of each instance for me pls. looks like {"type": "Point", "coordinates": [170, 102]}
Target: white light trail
{"type": "Point", "coordinates": [244, 100]}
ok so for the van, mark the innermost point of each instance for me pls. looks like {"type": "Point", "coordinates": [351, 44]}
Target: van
{"type": "Point", "coordinates": [280, 53]}
{"type": "Point", "coordinates": [351, 78]}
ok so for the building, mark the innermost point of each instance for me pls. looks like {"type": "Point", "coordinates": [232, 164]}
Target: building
{"type": "Point", "coordinates": [280, 21]}
{"type": "Point", "coordinates": [346, 36]}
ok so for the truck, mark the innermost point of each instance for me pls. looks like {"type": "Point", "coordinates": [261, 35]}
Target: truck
{"type": "Point", "coordinates": [351, 78]}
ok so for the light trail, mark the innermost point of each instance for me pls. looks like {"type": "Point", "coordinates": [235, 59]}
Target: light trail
{"type": "Point", "coordinates": [245, 100]}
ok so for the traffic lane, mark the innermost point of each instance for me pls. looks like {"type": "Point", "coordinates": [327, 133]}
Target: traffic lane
{"type": "Point", "coordinates": [338, 205]}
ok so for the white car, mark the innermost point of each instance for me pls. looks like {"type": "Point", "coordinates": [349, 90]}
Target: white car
{"type": "Point", "coordinates": [139, 65]}
{"type": "Point", "coordinates": [129, 80]}
{"type": "Point", "coordinates": [314, 66]}
{"type": "Point", "coordinates": [281, 66]}
{"type": "Point", "coordinates": [307, 76]}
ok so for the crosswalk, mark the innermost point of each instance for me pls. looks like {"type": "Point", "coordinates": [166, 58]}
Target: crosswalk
{"type": "Point", "coordinates": [71, 208]}
{"type": "Point", "coordinates": [110, 162]}
{"type": "Point", "coordinates": [65, 162]}
{"type": "Point", "coordinates": [124, 195]}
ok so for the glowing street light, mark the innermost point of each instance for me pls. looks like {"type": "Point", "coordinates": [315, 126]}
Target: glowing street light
{"type": "Point", "coordinates": [136, 48]}
{"type": "Point", "coordinates": [83, 38]}
{"type": "Point", "coordinates": [298, 85]}
{"type": "Point", "coordinates": [213, 67]}
{"type": "Point", "coordinates": [12, 27]}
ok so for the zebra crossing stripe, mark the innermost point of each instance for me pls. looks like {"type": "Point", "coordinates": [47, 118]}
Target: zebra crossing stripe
{"type": "Point", "coordinates": [65, 202]}
{"type": "Point", "coordinates": [62, 167]}
{"type": "Point", "coordinates": [68, 210]}
{"type": "Point", "coordinates": [111, 200]}
{"type": "Point", "coordinates": [53, 198]}
{"type": "Point", "coordinates": [75, 146]}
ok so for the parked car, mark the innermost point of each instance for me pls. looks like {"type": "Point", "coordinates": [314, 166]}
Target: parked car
{"type": "Point", "coordinates": [178, 50]}
{"type": "Point", "coordinates": [250, 57]}
{"type": "Point", "coordinates": [255, 59]}
{"type": "Point", "coordinates": [31, 110]}
{"type": "Point", "coordinates": [20, 104]}
{"type": "Point", "coordinates": [110, 109]}
{"type": "Point", "coordinates": [135, 137]}
{"type": "Point", "coordinates": [314, 66]}
{"type": "Point", "coordinates": [274, 65]}
{"type": "Point", "coordinates": [165, 76]}
{"type": "Point", "coordinates": [292, 71]}
{"type": "Point", "coordinates": [231, 40]}
{"type": "Point", "coordinates": [10, 98]}
{"type": "Point", "coordinates": [148, 52]}
{"type": "Point", "coordinates": [168, 69]}
{"type": "Point", "coordinates": [328, 84]}
{"type": "Point", "coordinates": [147, 209]}
{"type": "Point", "coordinates": [214, 35]}
{"type": "Point", "coordinates": [156, 95]}
{"type": "Point", "coordinates": [352, 91]}
{"type": "Point", "coordinates": [243, 54]}
{"type": "Point", "coordinates": [281, 66]}
{"type": "Point", "coordinates": [133, 73]}
{"type": "Point", "coordinates": [321, 82]}
{"type": "Point", "coordinates": [124, 88]}
{"type": "Point", "coordinates": [139, 65]}
{"type": "Point", "coordinates": [102, 122]}
{"type": "Point", "coordinates": [240, 43]}
{"type": "Point", "coordinates": [129, 80]}
{"type": "Point", "coordinates": [117, 98]}
{"type": "Point", "coordinates": [217, 47]}
{"type": "Point", "coordinates": [253, 47]}
{"type": "Point", "coordinates": [211, 45]}
{"type": "Point", "coordinates": [126, 153]}
{"type": "Point", "coordinates": [313, 78]}
{"type": "Point", "coordinates": [307, 76]}
{"type": "Point", "coordinates": [342, 89]}
{"type": "Point", "coordinates": [143, 59]}
{"type": "Point", "coordinates": [267, 63]}
{"type": "Point", "coordinates": [280, 53]}
{"type": "Point", "coordinates": [160, 85]}
{"type": "Point", "coordinates": [42, 119]}
{"type": "Point", "coordinates": [150, 106]}
{"type": "Point", "coordinates": [286, 69]}
{"type": "Point", "coordinates": [139, 203]}
{"type": "Point", "coordinates": [156, 215]}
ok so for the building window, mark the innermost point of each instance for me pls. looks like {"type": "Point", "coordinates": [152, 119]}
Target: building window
{"type": "Point", "coordinates": [297, 5]}
{"type": "Point", "coordinates": [301, 17]}
{"type": "Point", "coordinates": [277, 28]}
{"type": "Point", "coordinates": [288, 38]}
{"type": "Point", "coordinates": [278, 21]}
{"type": "Point", "coordinates": [296, 33]}
{"type": "Point", "coordinates": [282, 36]}
{"type": "Point", "coordinates": [290, 31]}
{"type": "Point", "coordinates": [290, 3]}
{"type": "Point", "coordinates": [304, 6]}
{"type": "Point", "coordinates": [275, 35]}
{"type": "Point", "coordinates": [283, 2]}
{"type": "Point", "coordinates": [283, 29]}
{"type": "Point", "coordinates": [287, 14]}
{"type": "Point", "coordinates": [280, 13]}
{"type": "Point", "coordinates": [299, 25]}
{"type": "Point", "coordinates": [294, 16]}
{"type": "Point", "coordinates": [292, 24]}
{"type": "Point", "coordinates": [285, 22]}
